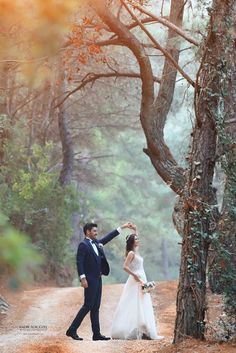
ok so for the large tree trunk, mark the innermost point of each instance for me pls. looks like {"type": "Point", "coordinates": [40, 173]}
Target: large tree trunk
{"type": "Point", "coordinates": [4, 131]}
{"type": "Point", "coordinates": [223, 266]}
{"type": "Point", "coordinates": [200, 213]}
{"type": "Point", "coordinates": [65, 135]}
{"type": "Point", "coordinates": [191, 304]}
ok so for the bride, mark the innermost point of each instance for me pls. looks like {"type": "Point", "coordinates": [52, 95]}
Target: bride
{"type": "Point", "coordinates": [134, 316]}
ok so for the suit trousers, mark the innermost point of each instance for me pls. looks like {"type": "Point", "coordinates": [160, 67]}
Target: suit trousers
{"type": "Point", "coordinates": [92, 301]}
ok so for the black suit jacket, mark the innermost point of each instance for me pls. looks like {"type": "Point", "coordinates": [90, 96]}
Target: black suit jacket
{"type": "Point", "coordinates": [88, 262]}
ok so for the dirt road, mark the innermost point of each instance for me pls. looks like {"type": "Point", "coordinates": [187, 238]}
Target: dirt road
{"type": "Point", "coordinates": [39, 318]}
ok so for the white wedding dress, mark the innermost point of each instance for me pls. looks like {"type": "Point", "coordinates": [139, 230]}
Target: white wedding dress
{"type": "Point", "coordinates": [134, 316]}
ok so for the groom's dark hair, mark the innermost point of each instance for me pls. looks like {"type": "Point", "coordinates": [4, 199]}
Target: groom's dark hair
{"type": "Point", "coordinates": [89, 226]}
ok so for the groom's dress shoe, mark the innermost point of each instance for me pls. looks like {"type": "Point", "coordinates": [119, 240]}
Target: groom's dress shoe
{"type": "Point", "coordinates": [73, 335]}
{"type": "Point", "coordinates": [145, 337]}
{"type": "Point", "coordinates": [101, 338]}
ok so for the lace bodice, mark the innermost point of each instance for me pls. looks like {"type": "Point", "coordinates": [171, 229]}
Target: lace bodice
{"type": "Point", "coordinates": [136, 265]}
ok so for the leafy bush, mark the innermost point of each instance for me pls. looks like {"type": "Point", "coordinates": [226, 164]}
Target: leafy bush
{"type": "Point", "coordinates": [17, 255]}
{"type": "Point", "coordinates": [36, 203]}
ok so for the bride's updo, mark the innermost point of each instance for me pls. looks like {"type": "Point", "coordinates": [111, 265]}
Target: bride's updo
{"type": "Point", "coordinates": [130, 239]}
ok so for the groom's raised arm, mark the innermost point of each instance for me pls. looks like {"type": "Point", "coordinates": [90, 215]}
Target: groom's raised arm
{"type": "Point", "coordinates": [110, 236]}
{"type": "Point", "coordinates": [114, 233]}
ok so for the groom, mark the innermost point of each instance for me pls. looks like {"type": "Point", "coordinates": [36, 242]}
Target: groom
{"type": "Point", "coordinates": [91, 265]}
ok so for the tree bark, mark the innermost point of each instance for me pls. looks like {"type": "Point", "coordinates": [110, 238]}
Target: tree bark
{"type": "Point", "coordinates": [223, 266]}
{"type": "Point", "coordinates": [200, 213]}
{"type": "Point", "coordinates": [4, 131]}
{"type": "Point", "coordinates": [163, 103]}
{"type": "Point", "coordinates": [65, 136]}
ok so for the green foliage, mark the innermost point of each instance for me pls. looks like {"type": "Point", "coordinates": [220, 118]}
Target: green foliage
{"type": "Point", "coordinates": [18, 257]}
{"type": "Point", "coordinates": [36, 203]}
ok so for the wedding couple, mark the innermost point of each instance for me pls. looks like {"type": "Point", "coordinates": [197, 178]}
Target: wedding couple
{"type": "Point", "coordinates": [134, 317]}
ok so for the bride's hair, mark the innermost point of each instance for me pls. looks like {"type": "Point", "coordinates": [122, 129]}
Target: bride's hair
{"type": "Point", "coordinates": [130, 239]}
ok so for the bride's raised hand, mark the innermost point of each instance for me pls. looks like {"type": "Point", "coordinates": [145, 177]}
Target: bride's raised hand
{"type": "Point", "coordinates": [134, 227]}
{"type": "Point", "coordinates": [127, 225]}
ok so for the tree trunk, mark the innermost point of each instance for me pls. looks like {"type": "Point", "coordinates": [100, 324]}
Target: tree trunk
{"type": "Point", "coordinates": [4, 131]}
{"type": "Point", "coordinates": [200, 213]}
{"type": "Point", "coordinates": [223, 266]}
{"type": "Point", "coordinates": [65, 136]}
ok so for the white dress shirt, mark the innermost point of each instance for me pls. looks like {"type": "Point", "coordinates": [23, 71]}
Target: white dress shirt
{"type": "Point", "coordinates": [94, 246]}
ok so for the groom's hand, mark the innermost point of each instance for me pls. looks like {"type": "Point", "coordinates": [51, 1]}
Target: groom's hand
{"type": "Point", "coordinates": [127, 225]}
{"type": "Point", "coordinates": [84, 283]}
{"type": "Point", "coordinates": [130, 225]}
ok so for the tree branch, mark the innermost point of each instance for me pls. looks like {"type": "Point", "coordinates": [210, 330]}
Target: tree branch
{"type": "Point", "coordinates": [165, 95]}
{"type": "Point", "coordinates": [117, 41]}
{"type": "Point", "coordinates": [168, 24]}
{"type": "Point", "coordinates": [92, 77]}
{"type": "Point", "coordinates": [92, 157]}
{"type": "Point", "coordinates": [159, 47]}
{"type": "Point", "coordinates": [160, 155]}
{"type": "Point", "coordinates": [135, 24]}
{"type": "Point", "coordinates": [26, 101]}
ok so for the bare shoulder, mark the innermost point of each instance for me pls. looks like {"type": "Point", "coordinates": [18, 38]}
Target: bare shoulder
{"type": "Point", "coordinates": [130, 255]}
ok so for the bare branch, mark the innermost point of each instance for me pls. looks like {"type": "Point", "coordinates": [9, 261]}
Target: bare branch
{"type": "Point", "coordinates": [165, 95]}
{"type": "Point", "coordinates": [168, 24]}
{"type": "Point", "coordinates": [92, 77]}
{"type": "Point", "coordinates": [119, 11]}
{"type": "Point", "coordinates": [135, 24]}
{"type": "Point", "coordinates": [146, 20]}
{"type": "Point", "coordinates": [92, 157]}
{"type": "Point", "coordinates": [159, 47]}
{"type": "Point", "coordinates": [117, 41]}
{"type": "Point", "coordinates": [107, 126]}
{"type": "Point", "coordinates": [26, 101]}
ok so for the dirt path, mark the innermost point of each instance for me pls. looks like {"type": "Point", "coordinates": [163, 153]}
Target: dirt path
{"type": "Point", "coordinates": [38, 324]}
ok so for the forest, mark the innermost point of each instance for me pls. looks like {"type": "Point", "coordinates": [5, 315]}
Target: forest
{"type": "Point", "coordinates": [115, 111]}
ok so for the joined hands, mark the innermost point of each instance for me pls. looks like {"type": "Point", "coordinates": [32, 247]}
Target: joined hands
{"type": "Point", "coordinates": [129, 225]}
